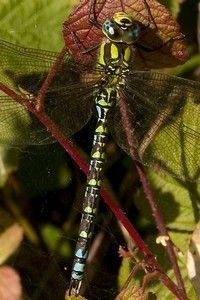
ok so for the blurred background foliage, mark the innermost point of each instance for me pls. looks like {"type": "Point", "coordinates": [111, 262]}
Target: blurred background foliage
{"type": "Point", "coordinates": [42, 188]}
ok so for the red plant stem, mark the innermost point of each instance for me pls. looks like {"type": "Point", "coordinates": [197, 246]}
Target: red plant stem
{"type": "Point", "coordinates": [160, 224]}
{"type": "Point", "coordinates": [50, 77]}
{"type": "Point", "coordinates": [67, 145]}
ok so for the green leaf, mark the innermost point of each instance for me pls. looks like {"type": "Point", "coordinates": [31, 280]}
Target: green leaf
{"type": "Point", "coordinates": [9, 160]}
{"type": "Point", "coordinates": [173, 6]}
{"type": "Point", "coordinates": [52, 236]}
{"type": "Point", "coordinates": [36, 24]}
{"type": "Point", "coordinates": [175, 201]}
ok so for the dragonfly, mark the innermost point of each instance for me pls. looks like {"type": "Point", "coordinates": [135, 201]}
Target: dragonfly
{"type": "Point", "coordinates": [152, 116]}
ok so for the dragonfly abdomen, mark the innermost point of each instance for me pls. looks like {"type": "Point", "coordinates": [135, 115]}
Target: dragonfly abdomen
{"type": "Point", "coordinates": [105, 99]}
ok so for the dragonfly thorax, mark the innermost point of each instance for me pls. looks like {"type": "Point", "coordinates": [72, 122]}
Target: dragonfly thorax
{"type": "Point", "coordinates": [114, 59]}
{"type": "Point", "coordinates": [115, 55]}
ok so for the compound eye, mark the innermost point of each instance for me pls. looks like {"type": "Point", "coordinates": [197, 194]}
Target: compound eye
{"type": "Point", "coordinates": [131, 35]}
{"type": "Point", "coordinates": [110, 29]}
{"type": "Point", "coordinates": [134, 32]}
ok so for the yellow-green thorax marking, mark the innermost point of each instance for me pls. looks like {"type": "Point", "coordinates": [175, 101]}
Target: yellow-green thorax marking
{"type": "Point", "coordinates": [114, 57]}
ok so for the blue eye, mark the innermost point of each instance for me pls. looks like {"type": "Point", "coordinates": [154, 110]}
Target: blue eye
{"type": "Point", "coordinates": [109, 27]}
{"type": "Point", "coordinates": [135, 31]}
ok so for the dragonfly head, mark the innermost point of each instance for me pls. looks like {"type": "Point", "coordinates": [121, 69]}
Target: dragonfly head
{"type": "Point", "coordinates": [121, 29]}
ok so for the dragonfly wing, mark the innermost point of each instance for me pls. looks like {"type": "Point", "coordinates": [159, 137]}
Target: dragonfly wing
{"type": "Point", "coordinates": [160, 125]}
{"type": "Point", "coordinates": [68, 100]}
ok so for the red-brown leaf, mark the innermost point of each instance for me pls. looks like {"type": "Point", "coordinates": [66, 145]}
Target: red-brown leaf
{"type": "Point", "coordinates": [79, 34]}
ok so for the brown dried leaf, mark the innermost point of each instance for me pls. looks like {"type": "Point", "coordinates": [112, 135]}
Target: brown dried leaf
{"type": "Point", "coordinates": [80, 35]}
{"type": "Point", "coordinates": [10, 240]}
{"type": "Point", "coordinates": [10, 285]}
